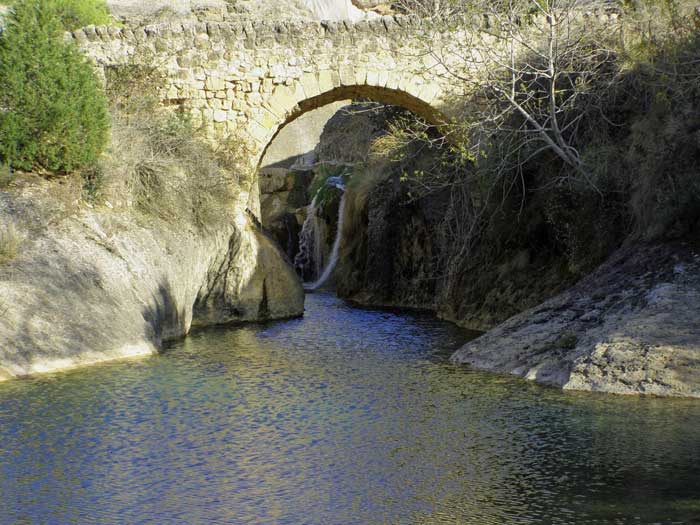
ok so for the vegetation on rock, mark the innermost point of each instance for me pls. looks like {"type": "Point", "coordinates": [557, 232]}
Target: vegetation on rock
{"type": "Point", "coordinates": [74, 14]}
{"type": "Point", "coordinates": [53, 113]}
{"type": "Point", "coordinates": [581, 139]}
{"type": "Point", "coordinates": [157, 160]}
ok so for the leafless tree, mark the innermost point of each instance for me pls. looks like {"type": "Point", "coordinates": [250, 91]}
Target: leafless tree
{"type": "Point", "coordinates": [528, 67]}
{"type": "Point", "coordinates": [531, 74]}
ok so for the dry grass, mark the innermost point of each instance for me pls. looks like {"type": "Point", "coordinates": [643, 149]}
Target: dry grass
{"type": "Point", "coordinates": [10, 243]}
{"type": "Point", "coordinates": [6, 176]}
{"type": "Point", "coordinates": [158, 159]}
{"type": "Point", "coordinates": [167, 170]}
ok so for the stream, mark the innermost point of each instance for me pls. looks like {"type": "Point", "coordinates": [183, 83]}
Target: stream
{"type": "Point", "coordinates": [347, 416]}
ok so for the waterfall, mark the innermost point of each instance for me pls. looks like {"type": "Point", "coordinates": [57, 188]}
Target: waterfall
{"type": "Point", "coordinates": [310, 245]}
{"type": "Point", "coordinates": [311, 240]}
{"type": "Point", "coordinates": [333, 261]}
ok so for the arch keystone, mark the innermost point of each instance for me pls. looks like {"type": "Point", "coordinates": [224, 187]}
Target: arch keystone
{"type": "Point", "coordinates": [347, 75]}
{"type": "Point", "coordinates": [282, 101]}
{"type": "Point", "coordinates": [309, 83]}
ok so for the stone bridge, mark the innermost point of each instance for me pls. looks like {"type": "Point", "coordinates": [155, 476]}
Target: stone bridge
{"type": "Point", "coordinates": [248, 80]}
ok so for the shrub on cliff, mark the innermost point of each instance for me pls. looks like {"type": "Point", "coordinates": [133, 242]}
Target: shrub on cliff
{"type": "Point", "coordinates": [79, 13]}
{"type": "Point", "coordinates": [158, 160]}
{"type": "Point", "coordinates": [53, 114]}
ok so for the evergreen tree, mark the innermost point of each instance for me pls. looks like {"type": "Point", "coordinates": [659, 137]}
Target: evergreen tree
{"type": "Point", "coordinates": [53, 113]}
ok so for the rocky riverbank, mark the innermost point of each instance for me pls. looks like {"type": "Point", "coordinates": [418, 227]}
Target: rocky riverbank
{"type": "Point", "coordinates": [93, 284]}
{"type": "Point", "coordinates": [630, 327]}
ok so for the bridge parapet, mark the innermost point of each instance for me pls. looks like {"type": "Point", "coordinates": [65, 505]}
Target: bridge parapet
{"type": "Point", "coordinates": [251, 33]}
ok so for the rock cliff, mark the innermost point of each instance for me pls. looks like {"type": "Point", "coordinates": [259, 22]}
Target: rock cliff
{"type": "Point", "coordinates": [93, 284]}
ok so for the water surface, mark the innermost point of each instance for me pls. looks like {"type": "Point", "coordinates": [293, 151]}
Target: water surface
{"type": "Point", "coordinates": [344, 417]}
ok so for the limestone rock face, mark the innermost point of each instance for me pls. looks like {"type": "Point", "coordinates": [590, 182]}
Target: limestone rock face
{"type": "Point", "coordinates": [137, 10]}
{"type": "Point", "coordinates": [630, 327]}
{"type": "Point", "coordinates": [335, 10]}
{"type": "Point", "coordinates": [250, 282]}
{"type": "Point", "coordinates": [90, 285]}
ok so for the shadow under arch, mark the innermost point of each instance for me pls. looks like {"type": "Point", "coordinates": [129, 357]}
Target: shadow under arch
{"type": "Point", "coordinates": [384, 95]}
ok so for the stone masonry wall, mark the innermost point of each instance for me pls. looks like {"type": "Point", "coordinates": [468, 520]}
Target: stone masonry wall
{"type": "Point", "coordinates": [243, 81]}
{"type": "Point", "coordinates": [249, 79]}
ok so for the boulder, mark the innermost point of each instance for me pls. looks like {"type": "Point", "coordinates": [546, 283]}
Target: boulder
{"type": "Point", "coordinates": [630, 327]}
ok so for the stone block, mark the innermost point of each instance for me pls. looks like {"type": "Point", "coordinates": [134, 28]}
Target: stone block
{"type": "Point", "coordinates": [214, 84]}
{"type": "Point", "coordinates": [372, 78]}
{"type": "Point", "coordinates": [282, 101]}
{"type": "Point", "coordinates": [347, 75]}
{"type": "Point", "coordinates": [309, 83]}
{"type": "Point", "coordinates": [325, 81]}
{"type": "Point", "coordinates": [220, 115]}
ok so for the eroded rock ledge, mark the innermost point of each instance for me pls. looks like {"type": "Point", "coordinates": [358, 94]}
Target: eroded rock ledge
{"type": "Point", "coordinates": [631, 327]}
{"type": "Point", "coordinates": [90, 285]}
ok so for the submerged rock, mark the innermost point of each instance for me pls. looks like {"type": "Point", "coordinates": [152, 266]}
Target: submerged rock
{"type": "Point", "coordinates": [631, 327]}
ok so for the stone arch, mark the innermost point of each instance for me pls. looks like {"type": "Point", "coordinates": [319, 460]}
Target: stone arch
{"type": "Point", "coordinates": [242, 82]}
{"type": "Point", "coordinates": [384, 95]}
{"type": "Point", "coordinates": [287, 103]}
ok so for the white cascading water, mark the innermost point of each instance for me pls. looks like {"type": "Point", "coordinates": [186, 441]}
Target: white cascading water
{"type": "Point", "coordinates": [311, 243]}
{"type": "Point", "coordinates": [310, 249]}
{"type": "Point", "coordinates": [333, 260]}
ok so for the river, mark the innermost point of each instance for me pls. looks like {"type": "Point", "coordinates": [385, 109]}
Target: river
{"type": "Point", "coordinates": [347, 416]}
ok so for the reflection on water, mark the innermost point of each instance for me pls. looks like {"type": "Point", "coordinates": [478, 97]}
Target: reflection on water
{"type": "Point", "coordinates": [347, 416]}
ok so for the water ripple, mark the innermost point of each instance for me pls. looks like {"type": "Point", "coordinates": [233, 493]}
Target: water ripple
{"type": "Point", "coordinates": [348, 416]}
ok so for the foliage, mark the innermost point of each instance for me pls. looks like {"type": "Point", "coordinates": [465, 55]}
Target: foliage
{"type": "Point", "coordinates": [93, 181]}
{"type": "Point", "coordinates": [75, 14]}
{"type": "Point", "coordinates": [132, 88]}
{"type": "Point", "coordinates": [157, 158]}
{"type": "Point", "coordinates": [513, 204]}
{"type": "Point", "coordinates": [53, 114]}
{"type": "Point", "coordinates": [320, 189]}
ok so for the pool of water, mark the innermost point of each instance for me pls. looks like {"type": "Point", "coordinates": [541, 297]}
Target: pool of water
{"type": "Point", "coordinates": [346, 416]}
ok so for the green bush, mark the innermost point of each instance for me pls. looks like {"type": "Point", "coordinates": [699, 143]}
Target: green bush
{"type": "Point", "coordinates": [74, 14]}
{"type": "Point", "coordinates": [80, 13]}
{"type": "Point", "coordinates": [53, 113]}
